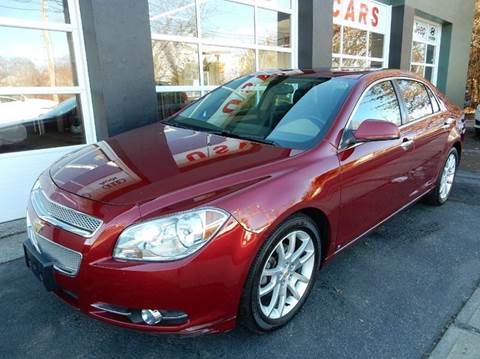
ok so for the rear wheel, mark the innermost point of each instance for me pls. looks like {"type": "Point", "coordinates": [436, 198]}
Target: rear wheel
{"type": "Point", "coordinates": [442, 190]}
{"type": "Point", "coordinates": [282, 275]}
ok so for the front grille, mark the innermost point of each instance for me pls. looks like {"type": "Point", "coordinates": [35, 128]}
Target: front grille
{"type": "Point", "coordinates": [65, 260]}
{"type": "Point", "coordinates": [64, 217]}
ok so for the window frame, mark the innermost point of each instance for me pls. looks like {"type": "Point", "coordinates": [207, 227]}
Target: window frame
{"type": "Point", "coordinates": [366, 93]}
{"type": "Point", "coordinates": [436, 53]}
{"type": "Point", "coordinates": [82, 89]}
{"type": "Point", "coordinates": [405, 121]}
{"type": "Point", "coordinates": [201, 42]}
{"type": "Point", "coordinates": [342, 147]}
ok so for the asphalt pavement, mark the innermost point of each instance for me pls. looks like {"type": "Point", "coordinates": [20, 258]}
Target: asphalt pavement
{"type": "Point", "coordinates": [392, 295]}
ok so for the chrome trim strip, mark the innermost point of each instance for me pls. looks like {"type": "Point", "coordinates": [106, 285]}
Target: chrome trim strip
{"type": "Point", "coordinates": [111, 308]}
{"type": "Point", "coordinates": [43, 213]}
{"type": "Point", "coordinates": [403, 125]}
{"type": "Point", "coordinates": [381, 222]}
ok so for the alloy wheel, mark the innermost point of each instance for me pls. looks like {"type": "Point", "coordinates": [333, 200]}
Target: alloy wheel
{"type": "Point", "coordinates": [286, 274]}
{"type": "Point", "coordinates": [448, 176]}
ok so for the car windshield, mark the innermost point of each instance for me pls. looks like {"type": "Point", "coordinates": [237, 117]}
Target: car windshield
{"type": "Point", "coordinates": [290, 111]}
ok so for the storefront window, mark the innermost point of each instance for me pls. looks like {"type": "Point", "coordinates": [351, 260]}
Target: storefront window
{"type": "Point", "coordinates": [224, 20]}
{"type": "Point", "coordinates": [42, 79]}
{"type": "Point", "coordinates": [425, 49]}
{"type": "Point", "coordinates": [361, 32]}
{"type": "Point", "coordinates": [273, 28]}
{"type": "Point", "coordinates": [175, 63]}
{"type": "Point", "coordinates": [35, 58]}
{"type": "Point", "coordinates": [35, 10]}
{"type": "Point", "coordinates": [200, 44]}
{"type": "Point", "coordinates": [274, 60]}
{"type": "Point", "coordinates": [29, 122]}
{"type": "Point", "coordinates": [173, 17]}
{"type": "Point", "coordinates": [221, 64]}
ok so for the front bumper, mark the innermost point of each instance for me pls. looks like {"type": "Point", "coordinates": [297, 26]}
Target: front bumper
{"type": "Point", "coordinates": [206, 286]}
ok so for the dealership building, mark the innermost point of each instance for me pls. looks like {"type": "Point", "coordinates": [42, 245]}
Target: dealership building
{"type": "Point", "coordinates": [73, 72]}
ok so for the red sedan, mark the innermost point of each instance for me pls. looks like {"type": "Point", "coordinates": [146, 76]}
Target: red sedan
{"type": "Point", "coordinates": [225, 211]}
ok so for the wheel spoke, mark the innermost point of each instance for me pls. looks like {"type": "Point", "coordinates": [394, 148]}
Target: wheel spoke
{"type": "Point", "coordinates": [274, 299]}
{"type": "Point", "coordinates": [292, 238]}
{"type": "Point", "coordinates": [282, 300]}
{"type": "Point", "coordinates": [269, 272]}
{"type": "Point", "coordinates": [300, 250]}
{"type": "Point", "coordinates": [281, 253]}
{"type": "Point", "coordinates": [300, 277]}
{"type": "Point", "coordinates": [293, 290]}
{"type": "Point", "coordinates": [268, 288]}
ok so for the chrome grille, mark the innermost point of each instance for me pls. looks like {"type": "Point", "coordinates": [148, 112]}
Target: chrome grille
{"type": "Point", "coordinates": [64, 217]}
{"type": "Point", "coordinates": [65, 260]}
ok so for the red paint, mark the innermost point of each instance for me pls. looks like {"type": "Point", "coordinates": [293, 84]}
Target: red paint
{"type": "Point", "coordinates": [336, 12]}
{"type": "Point", "coordinates": [363, 13]}
{"type": "Point", "coordinates": [375, 11]}
{"type": "Point", "coordinates": [350, 13]}
{"type": "Point", "coordinates": [144, 174]}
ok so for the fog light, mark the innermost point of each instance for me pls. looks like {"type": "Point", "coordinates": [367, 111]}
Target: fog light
{"type": "Point", "coordinates": [151, 316]}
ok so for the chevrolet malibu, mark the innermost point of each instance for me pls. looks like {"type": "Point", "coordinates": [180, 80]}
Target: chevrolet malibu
{"type": "Point", "coordinates": [225, 211]}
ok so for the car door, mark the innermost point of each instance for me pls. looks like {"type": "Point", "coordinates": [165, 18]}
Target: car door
{"type": "Point", "coordinates": [423, 127]}
{"type": "Point", "coordinates": [375, 176]}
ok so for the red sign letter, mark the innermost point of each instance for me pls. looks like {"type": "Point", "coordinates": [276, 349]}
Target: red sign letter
{"type": "Point", "coordinates": [375, 16]}
{"type": "Point", "coordinates": [363, 13]}
{"type": "Point", "coordinates": [350, 14]}
{"type": "Point", "coordinates": [336, 12]}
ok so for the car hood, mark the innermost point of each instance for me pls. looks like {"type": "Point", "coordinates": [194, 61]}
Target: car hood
{"type": "Point", "coordinates": [156, 160]}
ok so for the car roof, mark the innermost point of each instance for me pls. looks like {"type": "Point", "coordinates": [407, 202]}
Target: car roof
{"type": "Point", "coordinates": [353, 73]}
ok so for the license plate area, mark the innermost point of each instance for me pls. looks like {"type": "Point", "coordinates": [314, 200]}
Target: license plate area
{"type": "Point", "coordinates": [40, 266]}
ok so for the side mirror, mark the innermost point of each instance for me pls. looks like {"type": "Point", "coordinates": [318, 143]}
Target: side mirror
{"type": "Point", "coordinates": [376, 130]}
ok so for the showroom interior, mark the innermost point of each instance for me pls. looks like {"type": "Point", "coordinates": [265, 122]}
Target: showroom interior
{"type": "Point", "coordinates": [74, 72]}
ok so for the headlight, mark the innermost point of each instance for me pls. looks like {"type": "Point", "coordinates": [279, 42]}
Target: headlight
{"type": "Point", "coordinates": [171, 237]}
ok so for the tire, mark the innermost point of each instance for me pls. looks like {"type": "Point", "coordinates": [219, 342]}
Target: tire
{"type": "Point", "coordinates": [477, 131]}
{"type": "Point", "coordinates": [437, 196]}
{"type": "Point", "coordinates": [254, 306]}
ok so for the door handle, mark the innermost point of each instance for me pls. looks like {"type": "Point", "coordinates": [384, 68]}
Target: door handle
{"type": "Point", "coordinates": [447, 123]}
{"type": "Point", "coordinates": [407, 143]}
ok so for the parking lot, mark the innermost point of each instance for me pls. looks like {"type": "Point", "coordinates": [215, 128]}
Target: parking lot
{"type": "Point", "coordinates": [390, 296]}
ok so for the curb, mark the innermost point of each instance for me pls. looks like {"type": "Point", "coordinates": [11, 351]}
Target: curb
{"type": "Point", "coordinates": [462, 339]}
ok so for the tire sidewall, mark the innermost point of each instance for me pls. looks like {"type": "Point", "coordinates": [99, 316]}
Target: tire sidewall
{"type": "Point", "coordinates": [295, 223]}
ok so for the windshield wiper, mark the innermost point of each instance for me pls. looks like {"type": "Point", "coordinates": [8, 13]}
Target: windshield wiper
{"type": "Point", "coordinates": [219, 132]}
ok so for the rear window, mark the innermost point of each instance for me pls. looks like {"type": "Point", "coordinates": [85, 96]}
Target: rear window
{"type": "Point", "coordinates": [416, 98]}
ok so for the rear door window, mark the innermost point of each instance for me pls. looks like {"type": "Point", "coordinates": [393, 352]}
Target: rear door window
{"type": "Point", "coordinates": [416, 99]}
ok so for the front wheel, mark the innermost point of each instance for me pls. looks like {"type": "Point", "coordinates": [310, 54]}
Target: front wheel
{"type": "Point", "coordinates": [441, 192]}
{"type": "Point", "coordinates": [281, 276]}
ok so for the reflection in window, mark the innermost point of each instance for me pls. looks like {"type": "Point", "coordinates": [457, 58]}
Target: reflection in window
{"type": "Point", "coordinates": [35, 58]}
{"type": "Point", "coordinates": [40, 121]}
{"type": "Point", "coordinates": [418, 52]}
{"type": "Point", "coordinates": [379, 103]}
{"type": "Point", "coordinates": [173, 17]}
{"type": "Point", "coordinates": [35, 10]}
{"type": "Point", "coordinates": [354, 41]}
{"type": "Point", "coordinates": [273, 28]}
{"type": "Point", "coordinates": [336, 49]}
{"type": "Point", "coordinates": [175, 63]}
{"type": "Point", "coordinates": [354, 63]}
{"type": "Point", "coordinates": [376, 45]}
{"type": "Point", "coordinates": [416, 99]}
{"type": "Point", "coordinates": [430, 54]}
{"type": "Point", "coordinates": [277, 3]}
{"type": "Point", "coordinates": [221, 64]}
{"type": "Point", "coordinates": [170, 102]}
{"type": "Point", "coordinates": [274, 59]}
{"type": "Point", "coordinates": [227, 21]}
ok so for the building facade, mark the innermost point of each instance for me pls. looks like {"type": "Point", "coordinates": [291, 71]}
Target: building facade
{"type": "Point", "coordinates": [73, 72]}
